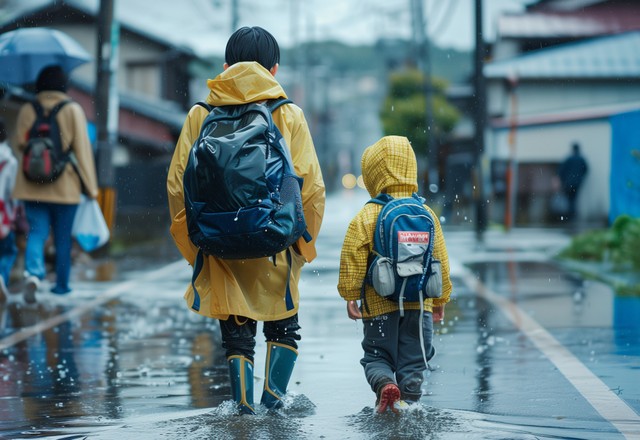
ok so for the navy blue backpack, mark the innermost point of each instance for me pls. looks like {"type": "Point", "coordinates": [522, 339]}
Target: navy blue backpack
{"type": "Point", "coordinates": [241, 194]}
{"type": "Point", "coordinates": [402, 267]}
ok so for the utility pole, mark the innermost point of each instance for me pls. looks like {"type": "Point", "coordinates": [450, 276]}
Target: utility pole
{"type": "Point", "coordinates": [423, 58]}
{"type": "Point", "coordinates": [480, 118]}
{"type": "Point", "coordinates": [107, 106]}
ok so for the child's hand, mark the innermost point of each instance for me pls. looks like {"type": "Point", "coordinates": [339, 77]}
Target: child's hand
{"type": "Point", "coordinates": [438, 313]}
{"type": "Point", "coordinates": [353, 310]}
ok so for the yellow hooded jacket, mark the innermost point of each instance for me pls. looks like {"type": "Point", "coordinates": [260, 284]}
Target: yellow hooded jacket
{"type": "Point", "coordinates": [252, 288]}
{"type": "Point", "coordinates": [388, 166]}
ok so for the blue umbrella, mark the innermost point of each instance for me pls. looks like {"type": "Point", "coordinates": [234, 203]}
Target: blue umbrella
{"type": "Point", "coordinates": [24, 52]}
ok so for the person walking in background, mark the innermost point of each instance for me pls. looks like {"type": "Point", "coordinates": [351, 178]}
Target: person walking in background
{"type": "Point", "coordinates": [241, 292]}
{"type": "Point", "coordinates": [8, 248]}
{"type": "Point", "coordinates": [395, 358]}
{"type": "Point", "coordinates": [571, 173]}
{"type": "Point", "coordinates": [52, 205]}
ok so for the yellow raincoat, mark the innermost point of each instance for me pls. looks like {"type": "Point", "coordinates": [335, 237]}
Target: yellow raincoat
{"type": "Point", "coordinates": [252, 288]}
{"type": "Point", "coordinates": [387, 166]}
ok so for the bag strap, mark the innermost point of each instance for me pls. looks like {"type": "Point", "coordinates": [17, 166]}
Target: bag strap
{"type": "Point", "coordinates": [204, 105]}
{"type": "Point", "coordinates": [37, 107]}
{"type": "Point", "coordinates": [273, 104]}
{"type": "Point", "coordinates": [381, 199]}
{"type": "Point", "coordinates": [54, 111]}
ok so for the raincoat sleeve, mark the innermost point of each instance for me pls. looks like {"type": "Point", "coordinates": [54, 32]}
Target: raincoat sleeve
{"type": "Point", "coordinates": [355, 253]}
{"type": "Point", "coordinates": [305, 162]}
{"type": "Point", "coordinates": [81, 146]}
{"type": "Point", "coordinates": [440, 253]}
{"type": "Point", "coordinates": [188, 135]}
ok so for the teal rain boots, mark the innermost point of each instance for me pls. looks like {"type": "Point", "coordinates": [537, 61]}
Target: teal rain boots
{"type": "Point", "coordinates": [241, 375]}
{"type": "Point", "coordinates": [280, 361]}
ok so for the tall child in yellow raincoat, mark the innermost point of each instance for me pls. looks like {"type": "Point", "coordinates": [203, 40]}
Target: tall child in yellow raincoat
{"type": "Point", "coordinates": [393, 358]}
{"type": "Point", "coordinates": [241, 292]}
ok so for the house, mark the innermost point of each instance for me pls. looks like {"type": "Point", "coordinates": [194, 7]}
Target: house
{"type": "Point", "coordinates": [582, 86]}
{"type": "Point", "coordinates": [155, 83]}
{"type": "Point", "coordinates": [548, 23]}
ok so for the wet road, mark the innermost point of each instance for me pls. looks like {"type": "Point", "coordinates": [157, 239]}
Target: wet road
{"type": "Point", "coordinates": [527, 350]}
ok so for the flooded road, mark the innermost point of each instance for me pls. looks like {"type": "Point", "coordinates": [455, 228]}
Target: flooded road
{"type": "Point", "coordinates": [527, 350]}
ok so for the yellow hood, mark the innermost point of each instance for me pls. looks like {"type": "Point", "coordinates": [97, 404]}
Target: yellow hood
{"type": "Point", "coordinates": [390, 166]}
{"type": "Point", "coordinates": [251, 288]}
{"type": "Point", "coordinates": [243, 82]}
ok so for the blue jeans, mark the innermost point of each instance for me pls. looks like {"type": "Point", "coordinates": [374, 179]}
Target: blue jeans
{"type": "Point", "coordinates": [8, 253]}
{"type": "Point", "coordinates": [42, 216]}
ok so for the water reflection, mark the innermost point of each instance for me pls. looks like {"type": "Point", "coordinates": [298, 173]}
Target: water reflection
{"type": "Point", "coordinates": [41, 374]}
{"type": "Point", "coordinates": [208, 373]}
{"type": "Point", "coordinates": [626, 321]}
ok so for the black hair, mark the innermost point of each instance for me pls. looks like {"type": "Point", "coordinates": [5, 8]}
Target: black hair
{"type": "Point", "coordinates": [252, 44]}
{"type": "Point", "coordinates": [3, 130]}
{"type": "Point", "coordinates": [52, 78]}
{"type": "Point", "coordinates": [575, 147]}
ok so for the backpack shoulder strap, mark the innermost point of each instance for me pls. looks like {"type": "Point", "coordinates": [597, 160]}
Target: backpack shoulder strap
{"type": "Point", "coordinates": [204, 105]}
{"type": "Point", "coordinates": [58, 107]}
{"type": "Point", "coordinates": [37, 107]}
{"type": "Point", "coordinates": [381, 199]}
{"type": "Point", "coordinates": [54, 111]}
{"type": "Point", "coordinates": [273, 104]}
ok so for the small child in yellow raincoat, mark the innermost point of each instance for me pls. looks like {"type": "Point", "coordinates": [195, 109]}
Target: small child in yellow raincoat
{"type": "Point", "coordinates": [394, 361]}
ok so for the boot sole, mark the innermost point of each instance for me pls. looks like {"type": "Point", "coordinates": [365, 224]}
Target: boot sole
{"type": "Point", "coordinates": [389, 395]}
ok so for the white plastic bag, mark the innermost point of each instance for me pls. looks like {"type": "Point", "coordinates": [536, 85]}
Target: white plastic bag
{"type": "Point", "coordinates": [89, 227]}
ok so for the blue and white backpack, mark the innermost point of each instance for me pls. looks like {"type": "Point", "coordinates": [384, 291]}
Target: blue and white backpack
{"type": "Point", "coordinates": [403, 268]}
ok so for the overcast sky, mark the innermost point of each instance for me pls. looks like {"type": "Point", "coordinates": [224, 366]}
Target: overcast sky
{"type": "Point", "coordinates": [205, 25]}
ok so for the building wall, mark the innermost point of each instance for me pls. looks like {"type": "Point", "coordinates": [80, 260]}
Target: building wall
{"type": "Point", "coordinates": [85, 35]}
{"type": "Point", "coordinates": [549, 97]}
{"type": "Point", "coordinates": [139, 60]}
{"type": "Point", "coordinates": [551, 143]}
{"type": "Point", "coordinates": [543, 97]}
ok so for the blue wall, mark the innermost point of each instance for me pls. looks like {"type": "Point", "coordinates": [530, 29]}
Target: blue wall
{"type": "Point", "coordinates": [625, 165]}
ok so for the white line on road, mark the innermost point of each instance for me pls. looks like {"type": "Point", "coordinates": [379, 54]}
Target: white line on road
{"type": "Point", "coordinates": [601, 397]}
{"type": "Point", "coordinates": [107, 295]}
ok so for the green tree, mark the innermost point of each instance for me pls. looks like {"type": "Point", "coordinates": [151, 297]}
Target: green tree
{"type": "Point", "coordinates": [404, 109]}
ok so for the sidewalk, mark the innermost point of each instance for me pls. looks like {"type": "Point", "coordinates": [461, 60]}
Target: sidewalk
{"type": "Point", "coordinates": [532, 244]}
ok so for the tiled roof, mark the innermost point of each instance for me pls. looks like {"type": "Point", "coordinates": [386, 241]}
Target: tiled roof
{"type": "Point", "coordinates": [616, 56]}
{"type": "Point", "coordinates": [126, 14]}
{"type": "Point", "coordinates": [585, 22]}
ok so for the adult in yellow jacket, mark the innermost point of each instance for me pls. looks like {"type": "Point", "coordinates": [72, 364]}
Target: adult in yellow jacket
{"type": "Point", "coordinates": [394, 361]}
{"type": "Point", "coordinates": [53, 205]}
{"type": "Point", "coordinates": [240, 292]}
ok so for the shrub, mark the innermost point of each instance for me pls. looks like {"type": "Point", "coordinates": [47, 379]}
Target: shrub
{"type": "Point", "coordinates": [620, 244]}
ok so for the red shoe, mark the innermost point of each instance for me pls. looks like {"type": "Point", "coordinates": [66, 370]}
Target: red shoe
{"type": "Point", "coordinates": [389, 395]}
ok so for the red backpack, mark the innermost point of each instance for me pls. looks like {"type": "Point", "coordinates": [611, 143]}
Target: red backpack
{"type": "Point", "coordinates": [43, 160]}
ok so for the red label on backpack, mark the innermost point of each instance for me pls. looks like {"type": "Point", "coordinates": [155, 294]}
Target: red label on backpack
{"type": "Point", "coordinates": [413, 237]}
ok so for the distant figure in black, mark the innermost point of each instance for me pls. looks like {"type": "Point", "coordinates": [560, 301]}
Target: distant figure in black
{"type": "Point", "coordinates": [571, 173]}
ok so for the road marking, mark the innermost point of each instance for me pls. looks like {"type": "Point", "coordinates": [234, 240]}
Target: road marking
{"type": "Point", "coordinates": [597, 393]}
{"type": "Point", "coordinates": [107, 295]}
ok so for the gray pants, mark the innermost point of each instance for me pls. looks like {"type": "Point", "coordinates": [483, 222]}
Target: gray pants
{"type": "Point", "coordinates": [392, 351]}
